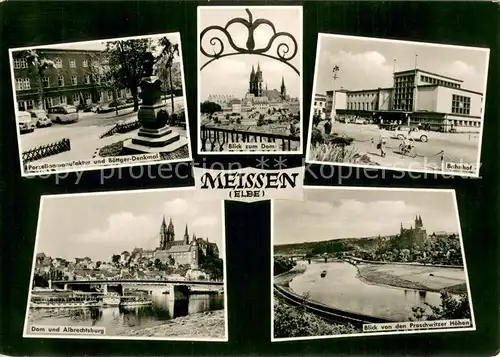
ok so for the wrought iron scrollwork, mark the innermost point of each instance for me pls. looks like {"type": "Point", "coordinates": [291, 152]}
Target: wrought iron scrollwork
{"type": "Point", "coordinates": [284, 52]}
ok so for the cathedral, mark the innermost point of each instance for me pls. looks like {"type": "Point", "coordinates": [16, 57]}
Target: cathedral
{"type": "Point", "coordinates": [411, 237]}
{"type": "Point", "coordinates": [257, 89]}
{"type": "Point", "coordinates": [188, 250]}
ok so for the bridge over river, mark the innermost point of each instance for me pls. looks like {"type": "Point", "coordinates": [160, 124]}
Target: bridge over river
{"type": "Point", "coordinates": [172, 286]}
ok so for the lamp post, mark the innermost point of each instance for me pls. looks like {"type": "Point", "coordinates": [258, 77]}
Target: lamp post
{"type": "Point", "coordinates": [333, 114]}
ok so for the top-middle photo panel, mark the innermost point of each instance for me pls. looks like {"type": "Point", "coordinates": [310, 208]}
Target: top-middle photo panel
{"type": "Point", "coordinates": [250, 80]}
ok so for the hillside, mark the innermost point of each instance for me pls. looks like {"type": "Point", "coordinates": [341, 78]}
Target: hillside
{"type": "Point", "coordinates": [330, 246]}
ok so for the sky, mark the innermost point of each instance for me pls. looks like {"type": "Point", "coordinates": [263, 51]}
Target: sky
{"type": "Point", "coordinates": [231, 75]}
{"type": "Point", "coordinates": [100, 45]}
{"type": "Point", "coordinates": [340, 213]}
{"type": "Point", "coordinates": [101, 225]}
{"type": "Point", "coordinates": [368, 63]}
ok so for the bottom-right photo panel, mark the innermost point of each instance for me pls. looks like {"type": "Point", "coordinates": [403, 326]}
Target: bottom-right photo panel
{"type": "Point", "coordinates": [352, 261]}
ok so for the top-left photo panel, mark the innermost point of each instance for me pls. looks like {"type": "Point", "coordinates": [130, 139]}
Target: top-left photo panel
{"type": "Point", "coordinates": [98, 104]}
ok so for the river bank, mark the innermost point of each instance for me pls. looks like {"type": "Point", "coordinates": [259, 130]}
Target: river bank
{"type": "Point", "coordinates": [417, 278]}
{"type": "Point", "coordinates": [285, 278]}
{"type": "Point", "coordinates": [209, 324]}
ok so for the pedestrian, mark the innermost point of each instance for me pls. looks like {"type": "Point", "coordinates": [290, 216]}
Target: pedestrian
{"type": "Point", "coordinates": [382, 142]}
{"type": "Point", "coordinates": [328, 127]}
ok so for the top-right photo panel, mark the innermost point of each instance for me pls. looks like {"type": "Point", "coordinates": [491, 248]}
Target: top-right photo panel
{"type": "Point", "coordinates": [407, 106]}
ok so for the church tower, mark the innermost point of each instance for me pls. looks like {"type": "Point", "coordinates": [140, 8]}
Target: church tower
{"type": "Point", "coordinates": [418, 222]}
{"type": "Point", "coordinates": [283, 88]}
{"type": "Point", "coordinates": [186, 235]}
{"type": "Point", "coordinates": [252, 88]}
{"type": "Point", "coordinates": [170, 232]}
{"type": "Point", "coordinates": [163, 233]}
{"type": "Point", "coordinates": [260, 79]}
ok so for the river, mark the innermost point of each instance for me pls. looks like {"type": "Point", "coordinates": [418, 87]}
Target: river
{"type": "Point", "coordinates": [120, 319]}
{"type": "Point", "coordinates": [341, 289]}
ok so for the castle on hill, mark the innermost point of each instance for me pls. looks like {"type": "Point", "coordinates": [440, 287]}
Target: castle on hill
{"type": "Point", "coordinates": [410, 237]}
{"type": "Point", "coordinates": [188, 250]}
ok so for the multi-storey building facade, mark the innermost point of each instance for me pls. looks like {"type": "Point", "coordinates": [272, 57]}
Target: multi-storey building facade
{"type": "Point", "coordinates": [319, 106]}
{"type": "Point", "coordinates": [75, 78]}
{"type": "Point", "coordinates": [435, 101]}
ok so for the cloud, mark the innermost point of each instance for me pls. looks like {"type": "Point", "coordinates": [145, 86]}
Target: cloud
{"type": "Point", "coordinates": [177, 206]}
{"type": "Point", "coordinates": [461, 70]}
{"type": "Point", "coordinates": [123, 227]}
{"type": "Point", "coordinates": [204, 222]}
{"type": "Point", "coordinates": [368, 69]}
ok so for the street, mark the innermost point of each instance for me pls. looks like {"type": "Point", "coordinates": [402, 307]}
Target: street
{"type": "Point", "coordinates": [457, 148]}
{"type": "Point", "coordinates": [84, 134]}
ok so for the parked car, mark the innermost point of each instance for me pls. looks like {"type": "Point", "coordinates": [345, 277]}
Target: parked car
{"type": "Point", "coordinates": [417, 134]}
{"type": "Point", "coordinates": [63, 114]}
{"type": "Point", "coordinates": [26, 123]}
{"type": "Point", "coordinates": [361, 121]}
{"type": "Point", "coordinates": [41, 118]}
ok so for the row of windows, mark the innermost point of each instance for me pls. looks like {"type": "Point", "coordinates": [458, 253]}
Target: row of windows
{"type": "Point", "coordinates": [361, 95]}
{"type": "Point", "coordinates": [440, 82]}
{"type": "Point", "coordinates": [25, 83]}
{"type": "Point", "coordinates": [49, 102]}
{"type": "Point", "coordinates": [460, 104]}
{"type": "Point", "coordinates": [320, 104]}
{"type": "Point", "coordinates": [361, 106]}
{"type": "Point", "coordinates": [58, 63]}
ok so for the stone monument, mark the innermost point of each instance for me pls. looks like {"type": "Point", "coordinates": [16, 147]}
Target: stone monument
{"type": "Point", "coordinates": [155, 135]}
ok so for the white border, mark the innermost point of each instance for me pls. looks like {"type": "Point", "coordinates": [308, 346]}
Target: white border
{"type": "Point", "coordinates": [436, 172]}
{"type": "Point", "coordinates": [368, 334]}
{"type": "Point", "coordinates": [222, 249]}
{"type": "Point", "coordinates": [301, 95]}
{"type": "Point", "coordinates": [97, 167]}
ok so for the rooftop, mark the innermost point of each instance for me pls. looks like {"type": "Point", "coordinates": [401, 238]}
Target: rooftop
{"type": "Point", "coordinates": [431, 73]}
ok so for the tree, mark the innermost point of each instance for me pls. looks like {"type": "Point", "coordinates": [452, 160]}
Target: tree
{"type": "Point", "coordinates": [209, 107]}
{"type": "Point", "coordinates": [37, 65]}
{"type": "Point", "coordinates": [126, 63]}
{"type": "Point", "coordinates": [213, 266]}
{"type": "Point", "coordinates": [260, 121]}
{"type": "Point", "coordinates": [115, 259]}
{"type": "Point", "coordinates": [168, 53]}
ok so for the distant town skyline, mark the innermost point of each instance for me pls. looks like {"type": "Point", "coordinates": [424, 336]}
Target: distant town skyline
{"type": "Point", "coordinates": [99, 226]}
{"type": "Point", "coordinates": [368, 63]}
{"type": "Point", "coordinates": [231, 75]}
{"type": "Point", "coordinates": [335, 214]}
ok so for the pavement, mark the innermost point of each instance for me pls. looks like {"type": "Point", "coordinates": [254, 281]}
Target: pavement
{"type": "Point", "coordinates": [84, 135]}
{"type": "Point", "coordinates": [457, 148]}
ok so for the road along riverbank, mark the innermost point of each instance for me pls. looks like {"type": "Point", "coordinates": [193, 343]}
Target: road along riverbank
{"type": "Point", "coordinates": [285, 278]}
{"type": "Point", "coordinates": [424, 278]}
{"type": "Point", "coordinates": [209, 324]}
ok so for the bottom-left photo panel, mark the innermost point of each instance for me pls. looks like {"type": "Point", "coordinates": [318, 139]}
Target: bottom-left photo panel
{"type": "Point", "coordinates": [145, 264]}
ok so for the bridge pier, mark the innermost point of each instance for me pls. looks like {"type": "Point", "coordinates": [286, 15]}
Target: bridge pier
{"type": "Point", "coordinates": [65, 286]}
{"type": "Point", "coordinates": [104, 289]}
{"type": "Point", "coordinates": [50, 283]}
{"type": "Point", "coordinates": [178, 291]}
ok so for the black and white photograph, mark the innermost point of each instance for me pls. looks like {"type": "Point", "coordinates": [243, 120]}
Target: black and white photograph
{"type": "Point", "coordinates": [97, 104]}
{"type": "Point", "coordinates": [401, 105]}
{"type": "Point", "coordinates": [356, 261]}
{"type": "Point", "coordinates": [147, 264]}
{"type": "Point", "coordinates": [249, 79]}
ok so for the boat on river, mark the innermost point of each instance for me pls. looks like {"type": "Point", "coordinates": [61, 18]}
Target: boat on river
{"type": "Point", "coordinates": [323, 273]}
{"type": "Point", "coordinates": [111, 300]}
{"type": "Point", "coordinates": [135, 301]}
{"type": "Point", "coordinates": [64, 302]}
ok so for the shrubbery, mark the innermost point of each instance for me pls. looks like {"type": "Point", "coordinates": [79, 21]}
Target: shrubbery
{"type": "Point", "coordinates": [449, 309]}
{"type": "Point", "coordinates": [282, 265]}
{"type": "Point", "coordinates": [290, 321]}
